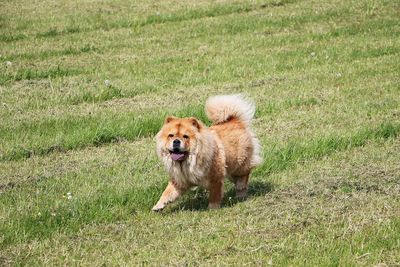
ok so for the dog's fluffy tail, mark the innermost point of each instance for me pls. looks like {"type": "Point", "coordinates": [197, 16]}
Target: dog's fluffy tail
{"type": "Point", "coordinates": [222, 108]}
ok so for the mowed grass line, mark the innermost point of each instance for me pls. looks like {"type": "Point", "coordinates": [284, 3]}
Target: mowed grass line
{"type": "Point", "coordinates": [231, 26]}
{"type": "Point", "coordinates": [68, 133]}
{"type": "Point", "coordinates": [53, 53]}
{"type": "Point", "coordinates": [28, 138]}
{"type": "Point", "coordinates": [274, 28]}
{"type": "Point", "coordinates": [178, 16]}
{"type": "Point", "coordinates": [235, 26]}
{"type": "Point", "coordinates": [293, 60]}
{"type": "Point", "coordinates": [299, 54]}
{"type": "Point", "coordinates": [280, 158]}
{"type": "Point", "coordinates": [49, 135]}
{"type": "Point", "coordinates": [112, 205]}
{"type": "Point", "coordinates": [30, 74]}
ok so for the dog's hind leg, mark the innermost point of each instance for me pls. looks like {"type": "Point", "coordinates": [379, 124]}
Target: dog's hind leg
{"type": "Point", "coordinates": [170, 194]}
{"type": "Point", "coordinates": [241, 186]}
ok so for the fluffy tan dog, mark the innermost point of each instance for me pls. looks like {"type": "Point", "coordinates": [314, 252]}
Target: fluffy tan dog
{"type": "Point", "coordinates": [195, 155]}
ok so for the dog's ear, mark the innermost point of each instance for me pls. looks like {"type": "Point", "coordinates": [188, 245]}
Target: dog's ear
{"type": "Point", "coordinates": [169, 119]}
{"type": "Point", "coordinates": [196, 123]}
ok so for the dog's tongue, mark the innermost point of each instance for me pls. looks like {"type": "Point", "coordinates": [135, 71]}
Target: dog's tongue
{"type": "Point", "coordinates": [177, 156]}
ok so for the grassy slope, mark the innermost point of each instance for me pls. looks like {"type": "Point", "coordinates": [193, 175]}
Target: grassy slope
{"type": "Point", "coordinates": [324, 75]}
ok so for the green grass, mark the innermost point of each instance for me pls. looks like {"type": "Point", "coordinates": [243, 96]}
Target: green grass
{"type": "Point", "coordinates": [112, 206]}
{"type": "Point", "coordinates": [280, 158]}
{"type": "Point", "coordinates": [323, 75]}
{"type": "Point", "coordinates": [30, 74]}
{"type": "Point", "coordinates": [53, 53]}
{"type": "Point", "coordinates": [69, 133]}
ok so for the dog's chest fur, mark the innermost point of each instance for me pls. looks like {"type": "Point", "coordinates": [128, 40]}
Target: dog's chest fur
{"type": "Point", "coordinates": [206, 159]}
{"type": "Point", "coordinates": [187, 173]}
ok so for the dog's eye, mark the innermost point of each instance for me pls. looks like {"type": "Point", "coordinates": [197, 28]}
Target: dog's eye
{"type": "Point", "coordinates": [170, 135]}
{"type": "Point", "coordinates": [185, 136]}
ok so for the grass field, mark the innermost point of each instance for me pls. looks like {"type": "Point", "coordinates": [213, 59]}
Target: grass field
{"type": "Point", "coordinates": [85, 85]}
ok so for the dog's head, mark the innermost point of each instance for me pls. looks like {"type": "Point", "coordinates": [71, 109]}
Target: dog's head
{"type": "Point", "coordinates": [178, 137]}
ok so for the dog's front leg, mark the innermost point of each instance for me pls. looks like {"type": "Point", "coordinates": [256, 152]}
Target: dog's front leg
{"type": "Point", "coordinates": [170, 194]}
{"type": "Point", "coordinates": [216, 194]}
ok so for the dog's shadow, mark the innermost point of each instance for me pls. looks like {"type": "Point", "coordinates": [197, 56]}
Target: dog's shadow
{"type": "Point", "coordinates": [198, 199]}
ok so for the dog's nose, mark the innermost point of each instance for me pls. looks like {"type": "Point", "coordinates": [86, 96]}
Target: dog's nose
{"type": "Point", "coordinates": [176, 143]}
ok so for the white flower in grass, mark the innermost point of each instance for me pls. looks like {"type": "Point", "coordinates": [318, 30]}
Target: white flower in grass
{"type": "Point", "coordinates": [8, 63]}
{"type": "Point", "coordinates": [107, 82]}
{"type": "Point", "coordinates": [312, 54]}
{"type": "Point", "coordinates": [53, 214]}
{"type": "Point", "coordinates": [69, 195]}
{"type": "Point", "coordinates": [338, 75]}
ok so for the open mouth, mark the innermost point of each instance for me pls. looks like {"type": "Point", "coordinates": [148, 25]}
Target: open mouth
{"type": "Point", "coordinates": [178, 155]}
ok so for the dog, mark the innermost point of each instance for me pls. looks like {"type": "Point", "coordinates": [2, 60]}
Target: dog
{"type": "Point", "coordinates": [196, 155]}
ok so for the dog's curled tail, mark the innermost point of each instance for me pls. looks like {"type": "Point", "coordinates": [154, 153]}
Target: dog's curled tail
{"type": "Point", "coordinates": [222, 108]}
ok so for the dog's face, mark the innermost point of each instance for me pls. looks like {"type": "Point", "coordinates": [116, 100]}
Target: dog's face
{"type": "Point", "coordinates": [178, 137]}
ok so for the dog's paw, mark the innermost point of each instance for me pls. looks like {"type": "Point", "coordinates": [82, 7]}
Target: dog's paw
{"type": "Point", "coordinates": [241, 194]}
{"type": "Point", "coordinates": [158, 207]}
{"type": "Point", "coordinates": [213, 206]}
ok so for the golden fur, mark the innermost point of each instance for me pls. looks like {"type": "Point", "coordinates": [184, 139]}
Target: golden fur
{"type": "Point", "coordinates": [195, 155]}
